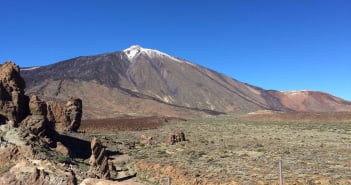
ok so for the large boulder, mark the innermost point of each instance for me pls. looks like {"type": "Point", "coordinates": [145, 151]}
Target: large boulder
{"type": "Point", "coordinates": [37, 125]}
{"type": "Point", "coordinates": [13, 101]}
{"type": "Point", "coordinates": [37, 122]}
{"type": "Point", "coordinates": [73, 114]}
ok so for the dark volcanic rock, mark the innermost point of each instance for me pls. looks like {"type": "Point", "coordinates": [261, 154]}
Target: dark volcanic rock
{"type": "Point", "coordinates": [176, 137]}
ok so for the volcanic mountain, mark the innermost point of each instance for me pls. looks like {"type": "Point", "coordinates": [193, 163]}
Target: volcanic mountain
{"type": "Point", "coordinates": [146, 81]}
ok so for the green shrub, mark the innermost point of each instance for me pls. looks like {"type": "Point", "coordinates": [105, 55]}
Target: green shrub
{"type": "Point", "coordinates": [4, 169]}
{"type": "Point", "coordinates": [64, 159]}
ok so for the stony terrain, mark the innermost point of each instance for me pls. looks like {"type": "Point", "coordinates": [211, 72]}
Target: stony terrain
{"type": "Point", "coordinates": [44, 141]}
{"type": "Point", "coordinates": [232, 150]}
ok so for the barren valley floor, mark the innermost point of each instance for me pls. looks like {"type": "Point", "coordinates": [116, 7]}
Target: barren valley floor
{"type": "Point", "coordinates": [233, 150]}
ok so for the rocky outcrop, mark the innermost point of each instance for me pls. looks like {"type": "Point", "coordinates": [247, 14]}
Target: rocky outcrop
{"type": "Point", "coordinates": [26, 152]}
{"type": "Point", "coordinates": [20, 163]}
{"type": "Point", "coordinates": [176, 137]}
{"type": "Point", "coordinates": [42, 177]}
{"type": "Point", "coordinates": [43, 173]}
{"type": "Point", "coordinates": [37, 123]}
{"type": "Point", "coordinates": [73, 114]}
{"type": "Point", "coordinates": [13, 102]}
{"type": "Point", "coordinates": [99, 166]}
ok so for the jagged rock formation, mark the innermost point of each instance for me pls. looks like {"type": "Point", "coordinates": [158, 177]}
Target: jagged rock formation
{"type": "Point", "coordinates": [13, 102]}
{"type": "Point", "coordinates": [176, 137]}
{"type": "Point", "coordinates": [73, 114]}
{"type": "Point", "coordinates": [24, 157]}
{"type": "Point", "coordinates": [33, 152]}
{"type": "Point", "coordinates": [99, 166]}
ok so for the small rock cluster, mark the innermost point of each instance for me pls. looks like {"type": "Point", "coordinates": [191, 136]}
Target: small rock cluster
{"type": "Point", "coordinates": [176, 137]}
{"type": "Point", "coordinates": [147, 140]}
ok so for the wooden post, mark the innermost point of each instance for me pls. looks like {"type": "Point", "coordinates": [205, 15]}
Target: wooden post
{"type": "Point", "coordinates": [280, 173]}
{"type": "Point", "coordinates": [168, 180]}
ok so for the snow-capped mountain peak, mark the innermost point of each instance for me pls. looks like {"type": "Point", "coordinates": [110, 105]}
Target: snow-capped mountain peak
{"type": "Point", "coordinates": [135, 50]}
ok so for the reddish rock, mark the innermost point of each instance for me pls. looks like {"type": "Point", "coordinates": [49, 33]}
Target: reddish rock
{"type": "Point", "coordinates": [37, 106]}
{"type": "Point", "coordinates": [37, 122]}
{"type": "Point", "coordinates": [56, 114]}
{"type": "Point", "coordinates": [13, 102]}
{"type": "Point", "coordinates": [41, 177]}
{"type": "Point", "coordinates": [73, 114]}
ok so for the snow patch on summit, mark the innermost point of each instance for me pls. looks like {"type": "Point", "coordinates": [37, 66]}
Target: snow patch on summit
{"type": "Point", "coordinates": [296, 92]}
{"type": "Point", "coordinates": [135, 50]}
{"type": "Point", "coordinates": [30, 68]}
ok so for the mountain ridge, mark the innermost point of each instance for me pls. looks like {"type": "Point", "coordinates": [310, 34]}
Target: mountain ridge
{"type": "Point", "coordinates": [139, 74]}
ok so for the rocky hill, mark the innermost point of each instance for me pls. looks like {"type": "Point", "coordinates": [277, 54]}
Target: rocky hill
{"type": "Point", "coordinates": [311, 101]}
{"type": "Point", "coordinates": [146, 81]}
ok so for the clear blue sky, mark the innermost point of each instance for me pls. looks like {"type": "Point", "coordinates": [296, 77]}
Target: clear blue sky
{"type": "Point", "coordinates": [273, 44]}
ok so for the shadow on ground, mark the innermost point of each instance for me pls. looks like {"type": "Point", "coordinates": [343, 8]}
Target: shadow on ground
{"type": "Point", "coordinates": [79, 148]}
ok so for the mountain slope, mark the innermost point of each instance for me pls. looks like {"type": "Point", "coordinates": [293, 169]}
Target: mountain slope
{"type": "Point", "coordinates": [311, 101]}
{"type": "Point", "coordinates": [146, 81]}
